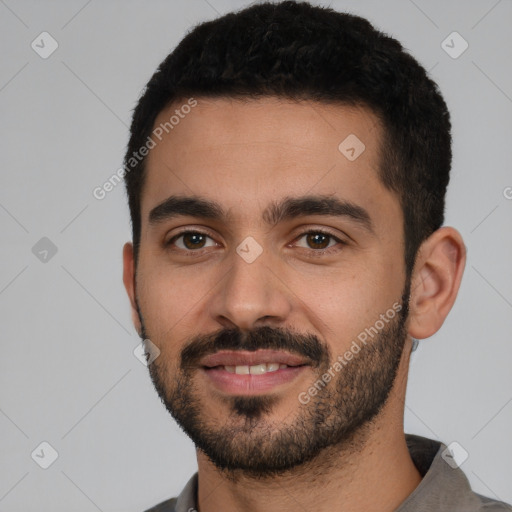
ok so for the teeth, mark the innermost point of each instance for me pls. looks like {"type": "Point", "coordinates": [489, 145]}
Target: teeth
{"type": "Point", "coordinates": [257, 369]}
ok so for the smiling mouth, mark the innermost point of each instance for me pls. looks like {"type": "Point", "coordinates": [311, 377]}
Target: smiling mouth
{"type": "Point", "coordinates": [252, 362]}
{"type": "Point", "coordinates": [239, 372]}
{"type": "Point", "coordinates": [256, 369]}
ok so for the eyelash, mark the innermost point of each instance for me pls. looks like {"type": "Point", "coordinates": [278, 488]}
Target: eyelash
{"type": "Point", "coordinates": [319, 252]}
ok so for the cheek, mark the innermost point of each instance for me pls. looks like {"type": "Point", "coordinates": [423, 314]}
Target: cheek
{"type": "Point", "coordinates": [341, 306]}
{"type": "Point", "coordinates": [171, 302]}
{"type": "Point", "coordinates": [343, 311]}
{"type": "Point", "coordinates": [169, 292]}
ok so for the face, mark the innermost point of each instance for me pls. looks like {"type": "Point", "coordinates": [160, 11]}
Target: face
{"type": "Point", "coordinates": [271, 278]}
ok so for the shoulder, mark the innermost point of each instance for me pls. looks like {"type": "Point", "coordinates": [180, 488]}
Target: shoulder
{"type": "Point", "coordinates": [185, 502]}
{"type": "Point", "coordinates": [490, 505]}
{"type": "Point", "coordinates": [444, 485]}
{"type": "Point", "coordinates": [165, 506]}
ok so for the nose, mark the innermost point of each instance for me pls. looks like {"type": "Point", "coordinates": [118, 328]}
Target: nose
{"type": "Point", "coordinates": [250, 295]}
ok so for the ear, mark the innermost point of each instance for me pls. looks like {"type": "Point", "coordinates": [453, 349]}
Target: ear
{"type": "Point", "coordinates": [129, 282]}
{"type": "Point", "coordinates": [435, 281]}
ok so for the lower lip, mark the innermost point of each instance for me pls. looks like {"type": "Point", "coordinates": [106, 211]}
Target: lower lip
{"type": "Point", "coordinates": [234, 383]}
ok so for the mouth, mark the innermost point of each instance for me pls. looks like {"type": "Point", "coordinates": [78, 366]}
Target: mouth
{"type": "Point", "coordinates": [250, 373]}
{"type": "Point", "coordinates": [256, 369]}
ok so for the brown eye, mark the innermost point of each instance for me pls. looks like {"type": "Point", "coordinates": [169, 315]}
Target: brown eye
{"type": "Point", "coordinates": [193, 240]}
{"type": "Point", "coordinates": [317, 240]}
{"type": "Point", "coordinates": [190, 241]}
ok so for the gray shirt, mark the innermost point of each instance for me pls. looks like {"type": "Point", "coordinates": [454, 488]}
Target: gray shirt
{"type": "Point", "coordinates": [442, 489]}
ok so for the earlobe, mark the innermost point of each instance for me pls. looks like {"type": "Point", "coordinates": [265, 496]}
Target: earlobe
{"type": "Point", "coordinates": [435, 281]}
{"type": "Point", "coordinates": [129, 282]}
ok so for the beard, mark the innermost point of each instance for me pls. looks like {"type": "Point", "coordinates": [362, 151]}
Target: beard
{"type": "Point", "coordinates": [246, 441]}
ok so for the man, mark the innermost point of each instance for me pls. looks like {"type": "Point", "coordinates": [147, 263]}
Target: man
{"type": "Point", "coordinates": [286, 175]}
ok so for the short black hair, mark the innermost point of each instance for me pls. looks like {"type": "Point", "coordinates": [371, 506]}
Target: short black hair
{"type": "Point", "coordinates": [298, 51]}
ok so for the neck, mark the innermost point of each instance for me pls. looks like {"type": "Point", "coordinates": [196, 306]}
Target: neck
{"type": "Point", "coordinates": [379, 477]}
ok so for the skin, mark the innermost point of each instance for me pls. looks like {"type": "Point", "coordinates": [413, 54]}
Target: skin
{"type": "Point", "coordinates": [245, 155]}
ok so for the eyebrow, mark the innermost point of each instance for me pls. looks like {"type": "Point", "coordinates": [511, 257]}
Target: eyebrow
{"type": "Point", "coordinates": [276, 212]}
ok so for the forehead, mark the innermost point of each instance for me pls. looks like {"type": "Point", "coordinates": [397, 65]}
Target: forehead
{"type": "Point", "coordinates": [242, 154]}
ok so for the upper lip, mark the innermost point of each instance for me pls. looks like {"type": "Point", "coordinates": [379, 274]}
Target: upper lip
{"type": "Point", "coordinates": [246, 358]}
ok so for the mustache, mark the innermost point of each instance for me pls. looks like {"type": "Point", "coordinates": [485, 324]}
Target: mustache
{"type": "Point", "coordinates": [305, 345]}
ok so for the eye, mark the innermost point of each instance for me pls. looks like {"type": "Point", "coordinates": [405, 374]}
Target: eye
{"type": "Point", "coordinates": [319, 240]}
{"type": "Point", "coordinates": [191, 240]}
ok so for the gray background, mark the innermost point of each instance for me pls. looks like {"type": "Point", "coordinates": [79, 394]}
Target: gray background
{"type": "Point", "coordinates": [68, 375]}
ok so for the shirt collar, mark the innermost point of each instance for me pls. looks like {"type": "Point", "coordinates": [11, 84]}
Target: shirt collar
{"type": "Point", "coordinates": [441, 488]}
